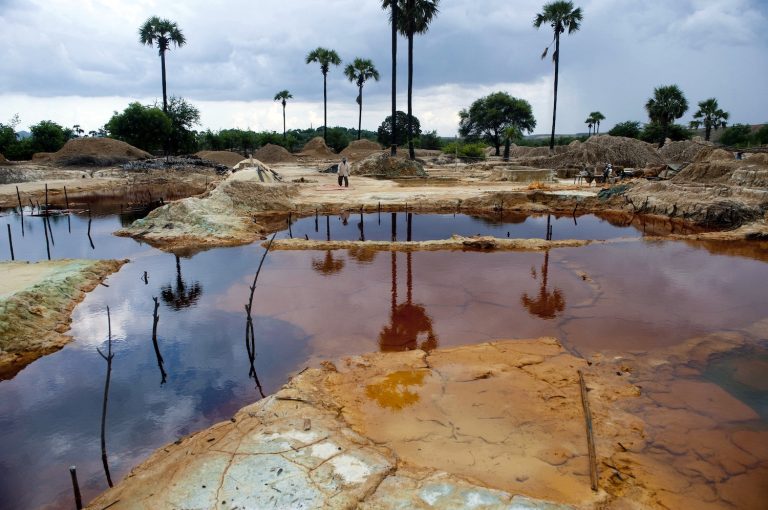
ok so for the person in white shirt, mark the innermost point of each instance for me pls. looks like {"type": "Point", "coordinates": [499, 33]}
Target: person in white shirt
{"type": "Point", "coordinates": [344, 172]}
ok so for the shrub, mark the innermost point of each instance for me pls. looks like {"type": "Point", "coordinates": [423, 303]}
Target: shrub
{"type": "Point", "coordinates": [737, 135]}
{"type": "Point", "coordinates": [629, 129]}
{"type": "Point", "coordinates": [472, 151]}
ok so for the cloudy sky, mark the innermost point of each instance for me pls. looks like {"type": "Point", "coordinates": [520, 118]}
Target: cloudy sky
{"type": "Point", "coordinates": [77, 62]}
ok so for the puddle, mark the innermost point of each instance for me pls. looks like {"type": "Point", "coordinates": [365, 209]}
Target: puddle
{"type": "Point", "coordinates": [743, 375]}
{"type": "Point", "coordinates": [311, 306]}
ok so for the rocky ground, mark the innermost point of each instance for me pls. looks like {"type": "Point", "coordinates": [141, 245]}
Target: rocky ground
{"type": "Point", "coordinates": [35, 305]}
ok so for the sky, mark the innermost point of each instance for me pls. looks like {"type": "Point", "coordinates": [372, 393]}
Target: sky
{"type": "Point", "coordinates": [78, 62]}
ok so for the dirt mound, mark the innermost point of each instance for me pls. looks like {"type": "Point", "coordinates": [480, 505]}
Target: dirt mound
{"type": "Point", "coordinates": [383, 165]}
{"type": "Point", "coordinates": [518, 151]}
{"type": "Point", "coordinates": [228, 158]}
{"type": "Point", "coordinates": [618, 150]}
{"type": "Point", "coordinates": [316, 148]}
{"type": "Point", "coordinates": [42, 157]}
{"type": "Point", "coordinates": [96, 152]}
{"type": "Point", "coordinates": [2, 159]}
{"type": "Point", "coordinates": [684, 151]}
{"type": "Point", "coordinates": [274, 154]}
{"type": "Point", "coordinates": [360, 149]}
{"type": "Point", "coordinates": [715, 155]}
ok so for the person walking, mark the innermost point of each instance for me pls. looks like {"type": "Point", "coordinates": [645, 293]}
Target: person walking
{"type": "Point", "coordinates": [344, 172]}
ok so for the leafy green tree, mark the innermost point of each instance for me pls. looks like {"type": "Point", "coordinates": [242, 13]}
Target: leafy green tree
{"type": "Point", "coordinates": [326, 58]}
{"type": "Point", "coordinates": [561, 16]}
{"type": "Point", "coordinates": [414, 19]}
{"type": "Point", "coordinates": [283, 96]}
{"type": "Point", "coordinates": [653, 132]}
{"type": "Point", "coordinates": [629, 129]}
{"type": "Point", "coordinates": [712, 117]}
{"type": "Point", "coordinates": [360, 71]}
{"type": "Point", "coordinates": [145, 127]}
{"type": "Point", "coordinates": [384, 134]}
{"type": "Point", "coordinates": [737, 135]}
{"type": "Point", "coordinates": [429, 140]}
{"type": "Point", "coordinates": [8, 138]}
{"type": "Point", "coordinates": [47, 136]}
{"type": "Point", "coordinates": [489, 116]}
{"type": "Point", "coordinates": [184, 116]}
{"type": "Point", "coordinates": [761, 136]}
{"type": "Point", "coordinates": [667, 104]}
{"type": "Point", "coordinates": [163, 33]}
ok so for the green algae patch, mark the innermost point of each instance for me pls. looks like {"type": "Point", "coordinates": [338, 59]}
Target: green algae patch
{"type": "Point", "coordinates": [36, 300]}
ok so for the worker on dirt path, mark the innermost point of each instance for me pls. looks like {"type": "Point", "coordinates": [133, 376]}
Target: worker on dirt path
{"type": "Point", "coordinates": [344, 172]}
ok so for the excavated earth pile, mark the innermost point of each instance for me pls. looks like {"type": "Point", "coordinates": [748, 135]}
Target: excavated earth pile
{"type": "Point", "coordinates": [360, 149]}
{"type": "Point", "coordinates": [274, 154]}
{"type": "Point", "coordinates": [227, 158]}
{"type": "Point", "coordinates": [92, 152]}
{"type": "Point", "coordinates": [223, 216]}
{"type": "Point", "coordinates": [382, 165]}
{"type": "Point", "coordinates": [317, 149]}
{"type": "Point", "coordinates": [3, 161]}
{"type": "Point", "coordinates": [685, 151]}
{"type": "Point", "coordinates": [598, 150]}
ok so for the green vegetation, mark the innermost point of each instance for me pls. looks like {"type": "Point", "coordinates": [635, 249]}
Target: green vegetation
{"type": "Point", "coordinates": [653, 132]}
{"type": "Point", "coordinates": [430, 140]}
{"type": "Point", "coordinates": [46, 136]}
{"type": "Point", "coordinates": [384, 133]}
{"type": "Point", "coordinates": [145, 127]}
{"type": "Point", "coordinates": [711, 117]}
{"type": "Point", "coordinates": [490, 116]}
{"type": "Point", "coordinates": [667, 104]}
{"type": "Point", "coordinates": [593, 121]}
{"type": "Point", "coordinates": [163, 33]}
{"type": "Point", "coordinates": [466, 150]}
{"type": "Point", "coordinates": [560, 15]}
{"type": "Point", "coordinates": [414, 18]}
{"type": "Point", "coordinates": [360, 71]}
{"type": "Point", "coordinates": [326, 58]}
{"type": "Point", "coordinates": [283, 96]}
{"type": "Point", "coordinates": [738, 135]}
{"type": "Point", "coordinates": [629, 129]}
{"type": "Point", "coordinates": [761, 136]}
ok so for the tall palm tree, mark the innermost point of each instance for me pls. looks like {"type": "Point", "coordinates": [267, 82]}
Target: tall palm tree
{"type": "Point", "coordinates": [415, 17]}
{"type": "Point", "coordinates": [393, 19]}
{"type": "Point", "coordinates": [711, 116]}
{"type": "Point", "coordinates": [162, 32]}
{"type": "Point", "coordinates": [360, 71]}
{"type": "Point", "coordinates": [589, 124]}
{"type": "Point", "coordinates": [596, 117]}
{"type": "Point", "coordinates": [560, 15]}
{"type": "Point", "coordinates": [326, 58]}
{"type": "Point", "coordinates": [667, 104]}
{"type": "Point", "coordinates": [283, 96]}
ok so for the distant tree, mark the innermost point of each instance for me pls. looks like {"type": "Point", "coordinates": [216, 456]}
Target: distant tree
{"type": "Point", "coordinates": [358, 72]}
{"type": "Point", "coordinates": [283, 96]}
{"type": "Point", "coordinates": [47, 136]}
{"type": "Point", "coordinates": [589, 122]}
{"type": "Point", "coordinates": [653, 132]}
{"type": "Point", "coordinates": [414, 19]}
{"type": "Point", "coordinates": [326, 58]}
{"type": "Point", "coordinates": [511, 134]}
{"type": "Point", "coordinates": [490, 116]}
{"type": "Point", "coordinates": [184, 116]}
{"type": "Point", "coordinates": [92, 133]}
{"type": "Point", "coordinates": [429, 140]}
{"type": "Point", "coordinates": [737, 135]}
{"type": "Point", "coordinates": [145, 127]}
{"type": "Point", "coordinates": [712, 117]}
{"type": "Point", "coordinates": [163, 33]}
{"type": "Point", "coordinates": [629, 129]}
{"type": "Point", "coordinates": [667, 104]}
{"type": "Point", "coordinates": [401, 122]}
{"type": "Point", "coordinates": [761, 135]}
{"type": "Point", "coordinates": [560, 15]}
{"type": "Point", "coordinates": [77, 130]}
{"type": "Point", "coordinates": [596, 117]}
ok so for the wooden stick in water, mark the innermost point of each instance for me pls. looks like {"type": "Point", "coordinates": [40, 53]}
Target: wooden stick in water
{"type": "Point", "coordinates": [590, 433]}
{"type": "Point", "coordinates": [10, 241]}
{"type": "Point", "coordinates": [76, 488]}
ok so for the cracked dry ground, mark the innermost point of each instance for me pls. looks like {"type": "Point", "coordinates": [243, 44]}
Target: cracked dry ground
{"type": "Point", "coordinates": [495, 425]}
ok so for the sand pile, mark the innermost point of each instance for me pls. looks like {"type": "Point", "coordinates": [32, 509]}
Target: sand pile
{"type": "Point", "coordinates": [271, 153]}
{"type": "Point", "coordinates": [360, 149]}
{"type": "Point", "coordinates": [518, 151]}
{"type": "Point", "coordinates": [714, 155]}
{"type": "Point", "coordinates": [94, 152]}
{"type": "Point", "coordinates": [227, 158]}
{"type": "Point", "coordinates": [749, 173]}
{"type": "Point", "coordinates": [684, 151]}
{"type": "Point", "coordinates": [2, 159]}
{"type": "Point", "coordinates": [384, 166]}
{"type": "Point", "coordinates": [316, 148]}
{"type": "Point", "coordinates": [618, 150]}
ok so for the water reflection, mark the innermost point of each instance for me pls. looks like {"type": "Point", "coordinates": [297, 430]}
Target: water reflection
{"type": "Point", "coordinates": [328, 265]}
{"type": "Point", "coordinates": [155, 319]}
{"type": "Point", "coordinates": [182, 295]}
{"type": "Point", "coordinates": [394, 391]}
{"type": "Point", "coordinates": [546, 304]}
{"type": "Point", "coordinates": [408, 321]}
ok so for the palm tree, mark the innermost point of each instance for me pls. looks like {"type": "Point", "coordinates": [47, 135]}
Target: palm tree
{"type": "Point", "coordinates": [416, 15]}
{"type": "Point", "coordinates": [589, 124]}
{"type": "Point", "coordinates": [393, 19]}
{"type": "Point", "coordinates": [326, 58]}
{"type": "Point", "coordinates": [596, 117]}
{"type": "Point", "coordinates": [359, 71]}
{"type": "Point", "coordinates": [283, 96]}
{"type": "Point", "coordinates": [712, 116]}
{"type": "Point", "coordinates": [667, 104]}
{"type": "Point", "coordinates": [560, 15]}
{"type": "Point", "coordinates": [162, 32]}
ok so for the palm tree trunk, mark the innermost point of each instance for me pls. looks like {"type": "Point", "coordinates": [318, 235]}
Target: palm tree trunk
{"type": "Point", "coordinates": [283, 120]}
{"type": "Point", "coordinates": [393, 150]}
{"type": "Point", "coordinates": [360, 114]}
{"type": "Point", "coordinates": [707, 131]}
{"type": "Point", "coordinates": [165, 96]}
{"type": "Point", "coordinates": [411, 152]}
{"type": "Point", "coordinates": [325, 109]}
{"type": "Point", "coordinates": [557, 70]}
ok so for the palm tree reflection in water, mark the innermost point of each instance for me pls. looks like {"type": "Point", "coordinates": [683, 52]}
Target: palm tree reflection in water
{"type": "Point", "coordinates": [183, 295]}
{"type": "Point", "coordinates": [407, 321]}
{"type": "Point", "coordinates": [328, 265]}
{"type": "Point", "coordinates": [547, 304]}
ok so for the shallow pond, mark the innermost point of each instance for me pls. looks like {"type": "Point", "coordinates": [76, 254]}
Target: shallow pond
{"type": "Point", "coordinates": [630, 295]}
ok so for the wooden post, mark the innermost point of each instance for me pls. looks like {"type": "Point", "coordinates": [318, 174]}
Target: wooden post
{"type": "Point", "coordinates": [409, 221]}
{"type": "Point", "coordinates": [362, 225]}
{"type": "Point", "coordinates": [10, 241]}
{"type": "Point", "coordinates": [108, 358]}
{"type": "Point", "coordinates": [76, 488]}
{"type": "Point", "coordinates": [327, 227]}
{"type": "Point", "coordinates": [66, 198]}
{"type": "Point", "coordinates": [317, 221]}
{"type": "Point", "coordinates": [18, 195]}
{"type": "Point", "coordinates": [290, 232]}
{"type": "Point", "coordinates": [379, 213]}
{"type": "Point", "coordinates": [47, 245]}
{"type": "Point", "coordinates": [590, 433]}
{"type": "Point", "coordinates": [394, 227]}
